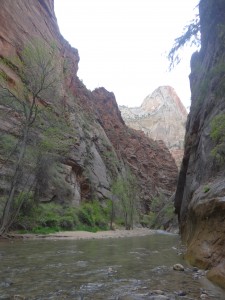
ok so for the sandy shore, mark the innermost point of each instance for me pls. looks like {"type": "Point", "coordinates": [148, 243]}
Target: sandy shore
{"type": "Point", "coordinates": [79, 235]}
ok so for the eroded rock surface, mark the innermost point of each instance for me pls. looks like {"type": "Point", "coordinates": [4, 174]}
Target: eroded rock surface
{"type": "Point", "coordinates": [161, 116]}
{"type": "Point", "coordinates": [150, 161]}
{"type": "Point", "coordinates": [103, 145]}
{"type": "Point", "coordinates": [200, 196]}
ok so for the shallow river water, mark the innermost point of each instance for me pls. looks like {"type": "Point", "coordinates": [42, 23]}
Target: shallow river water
{"type": "Point", "coordinates": [127, 268]}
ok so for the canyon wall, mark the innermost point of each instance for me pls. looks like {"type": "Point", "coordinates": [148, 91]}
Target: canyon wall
{"type": "Point", "coordinates": [104, 146]}
{"type": "Point", "coordinates": [161, 116]}
{"type": "Point", "coordinates": [200, 193]}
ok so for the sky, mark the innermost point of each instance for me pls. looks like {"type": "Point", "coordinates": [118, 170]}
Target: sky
{"type": "Point", "coordinates": [123, 44]}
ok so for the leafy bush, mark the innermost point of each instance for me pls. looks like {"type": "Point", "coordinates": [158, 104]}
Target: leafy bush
{"type": "Point", "coordinates": [148, 220]}
{"type": "Point", "coordinates": [206, 189]}
{"type": "Point", "coordinates": [94, 215]}
{"type": "Point", "coordinates": [51, 217]}
{"type": "Point", "coordinates": [217, 134]}
{"type": "Point", "coordinates": [8, 143]}
{"type": "Point", "coordinates": [125, 190]}
{"type": "Point", "coordinates": [85, 216]}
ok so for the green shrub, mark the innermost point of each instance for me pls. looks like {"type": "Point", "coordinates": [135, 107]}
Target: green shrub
{"type": "Point", "coordinates": [85, 215]}
{"type": "Point", "coordinates": [93, 215]}
{"type": "Point", "coordinates": [206, 189]}
{"type": "Point", "coordinates": [45, 230]}
{"type": "Point", "coordinates": [8, 143]}
{"type": "Point", "coordinates": [66, 223]}
{"type": "Point", "coordinates": [53, 217]}
{"type": "Point", "coordinates": [217, 134]}
{"type": "Point", "coordinates": [148, 220]}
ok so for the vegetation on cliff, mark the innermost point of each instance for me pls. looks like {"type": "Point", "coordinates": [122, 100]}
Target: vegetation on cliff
{"type": "Point", "coordinates": [76, 144]}
{"type": "Point", "coordinates": [34, 142]}
{"type": "Point", "coordinates": [218, 136]}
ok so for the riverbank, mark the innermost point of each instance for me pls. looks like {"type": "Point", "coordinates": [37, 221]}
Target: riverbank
{"type": "Point", "coordinates": [81, 235]}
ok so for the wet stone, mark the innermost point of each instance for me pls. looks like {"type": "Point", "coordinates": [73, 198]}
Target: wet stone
{"type": "Point", "coordinates": [157, 292]}
{"type": "Point", "coordinates": [181, 293]}
{"type": "Point", "coordinates": [199, 274]}
{"type": "Point", "coordinates": [6, 283]}
{"type": "Point", "coordinates": [204, 296]}
{"type": "Point", "coordinates": [178, 267]}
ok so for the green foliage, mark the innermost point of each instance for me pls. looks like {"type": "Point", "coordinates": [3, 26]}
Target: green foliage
{"type": "Point", "coordinates": [191, 36]}
{"type": "Point", "coordinates": [41, 79]}
{"type": "Point", "coordinates": [206, 189]}
{"type": "Point", "coordinates": [42, 230]}
{"type": "Point", "coordinates": [51, 217]}
{"type": "Point", "coordinates": [148, 220]}
{"type": "Point", "coordinates": [57, 135]}
{"type": "Point", "coordinates": [93, 215]}
{"type": "Point", "coordinates": [169, 211]}
{"type": "Point", "coordinates": [125, 190]}
{"type": "Point", "coordinates": [3, 75]}
{"type": "Point", "coordinates": [39, 129]}
{"type": "Point", "coordinates": [156, 204]}
{"type": "Point", "coordinates": [8, 143]}
{"type": "Point", "coordinates": [217, 134]}
{"type": "Point", "coordinates": [218, 128]}
{"type": "Point", "coordinates": [160, 219]}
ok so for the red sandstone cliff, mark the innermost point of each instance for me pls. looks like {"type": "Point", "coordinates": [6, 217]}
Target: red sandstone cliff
{"type": "Point", "coordinates": [88, 171]}
{"type": "Point", "coordinates": [150, 161]}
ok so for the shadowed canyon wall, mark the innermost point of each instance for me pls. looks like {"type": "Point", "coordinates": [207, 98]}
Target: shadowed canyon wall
{"type": "Point", "coordinates": [200, 193]}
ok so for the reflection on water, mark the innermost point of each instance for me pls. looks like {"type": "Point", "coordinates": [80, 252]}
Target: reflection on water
{"type": "Point", "coordinates": [128, 268]}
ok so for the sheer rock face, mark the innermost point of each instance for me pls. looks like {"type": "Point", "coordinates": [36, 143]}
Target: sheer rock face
{"type": "Point", "coordinates": [150, 161]}
{"type": "Point", "coordinates": [161, 116]}
{"type": "Point", "coordinates": [104, 144]}
{"type": "Point", "coordinates": [200, 195]}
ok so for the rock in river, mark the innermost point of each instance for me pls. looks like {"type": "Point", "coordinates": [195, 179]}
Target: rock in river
{"type": "Point", "coordinates": [178, 267]}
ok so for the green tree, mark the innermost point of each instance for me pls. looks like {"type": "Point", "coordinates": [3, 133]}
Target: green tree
{"type": "Point", "coordinates": [38, 79]}
{"type": "Point", "coordinates": [125, 189]}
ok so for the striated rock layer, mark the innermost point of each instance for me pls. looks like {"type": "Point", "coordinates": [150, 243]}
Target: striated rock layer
{"type": "Point", "coordinates": [200, 195]}
{"type": "Point", "coordinates": [104, 144]}
{"type": "Point", "coordinates": [150, 161]}
{"type": "Point", "coordinates": [161, 116]}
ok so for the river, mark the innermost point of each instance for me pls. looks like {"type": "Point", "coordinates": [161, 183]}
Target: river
{"type": "Point", "coordinates": [122, 268]}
